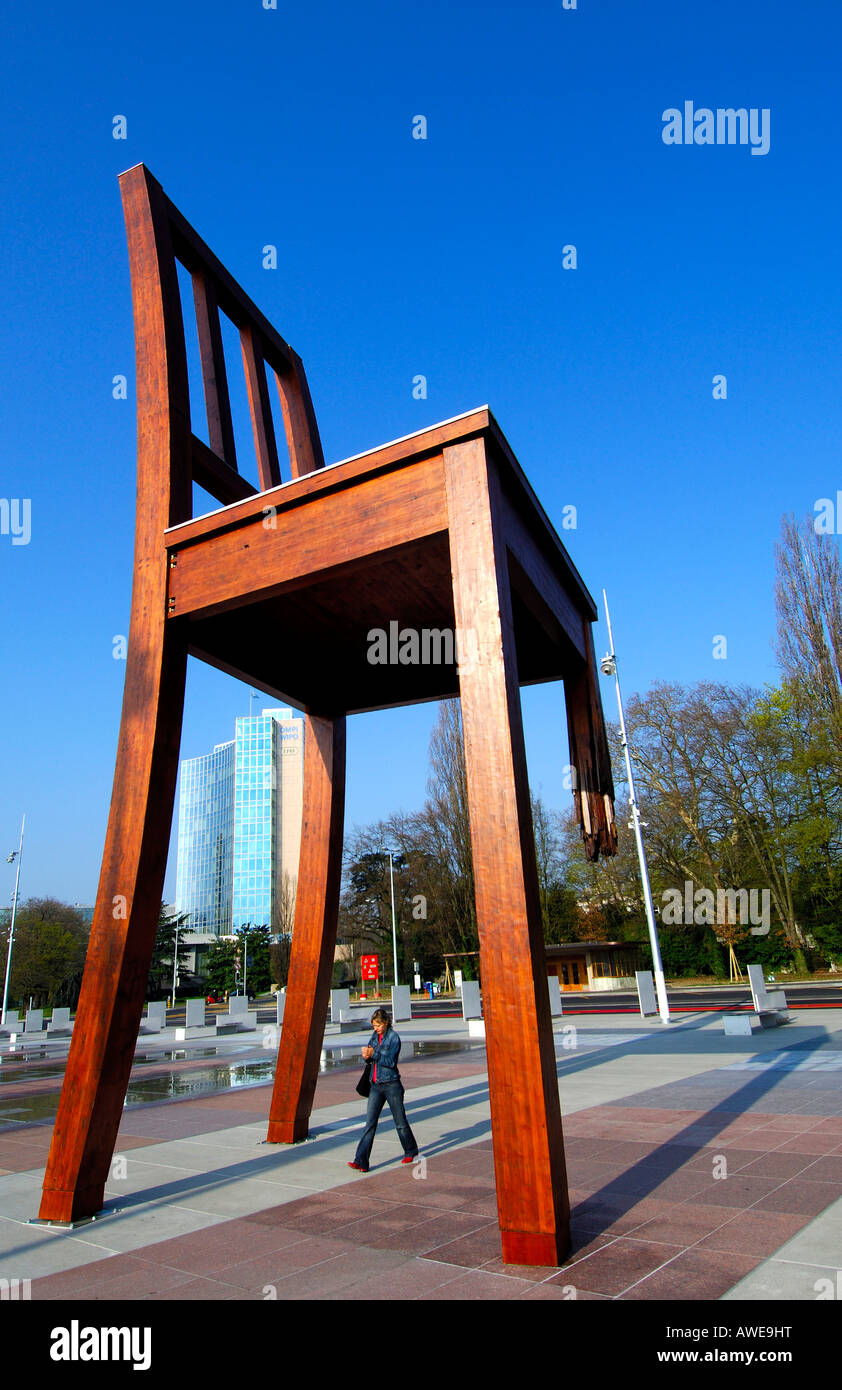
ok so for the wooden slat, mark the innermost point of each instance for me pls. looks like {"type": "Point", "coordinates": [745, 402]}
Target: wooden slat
{"type": "Point", "coordinates": [290, 548]}
{"type": "Point", "coordinates": [195, 255]}
{"type": "Point", "coordinates": [532, 1198]}
{"type": "Point", "coordinates": [263, 428]}
{"type": "Point", "coordinates": [214, 375]}
{"type": "Point", "coordinates": [302, 432]}
{"type": "Point", "coordinates": [214, 475]}
{"type": "Point", "coordinates": [314, 933]}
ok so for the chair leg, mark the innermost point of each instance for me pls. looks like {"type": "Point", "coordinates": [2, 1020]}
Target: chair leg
{"type": "Point", "coordinates": [123, 930]}
{"type": "Point", "coordinates": [531, 1179]}
{"type": "Point", "coordinates": [314, 934]}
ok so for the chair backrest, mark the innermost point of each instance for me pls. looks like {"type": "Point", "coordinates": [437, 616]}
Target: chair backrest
{"type": "Point", "coordinates": [159, 238]}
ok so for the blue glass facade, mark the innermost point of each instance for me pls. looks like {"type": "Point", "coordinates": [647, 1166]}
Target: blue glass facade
{"type": "Point", "coordinates": [205, 840]}
{"type": "Point", "coordinates": [254, 839]}
{"type": "Point", "coordinates": [239, 826]}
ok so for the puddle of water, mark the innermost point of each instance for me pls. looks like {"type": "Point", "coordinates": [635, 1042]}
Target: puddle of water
{"type": "Point", "coordinates": [17, 1071]}
{"type": "Point", "coordinates": [207, 1080]}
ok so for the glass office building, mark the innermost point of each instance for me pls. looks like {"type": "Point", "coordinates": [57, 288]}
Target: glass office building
{"type": "Point", "coordinates": [205, 840]}
{"type": "Point", "coordinates": [239, 828]}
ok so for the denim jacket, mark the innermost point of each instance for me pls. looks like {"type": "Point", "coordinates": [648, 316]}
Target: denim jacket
{"type": "Point", "coordinates": [386, 1053]}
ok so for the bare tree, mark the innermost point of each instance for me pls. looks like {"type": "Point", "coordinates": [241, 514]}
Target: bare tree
{"type": "Point", "coordinates": [445, 825]}
{"type": "Point", "coordinates": [724, 796]}
{"type": "Point", "coordinates": [285, 905]}
{"type": "Point", "coordinates": [808, 602]}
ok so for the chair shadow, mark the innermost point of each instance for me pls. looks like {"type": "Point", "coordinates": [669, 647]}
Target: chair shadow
{"type": "Point", "coordinates": [664, 1161]}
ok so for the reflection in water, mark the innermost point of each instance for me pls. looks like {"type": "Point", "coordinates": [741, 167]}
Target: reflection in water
{"type": "Point", "coordinates": [187, 1082]}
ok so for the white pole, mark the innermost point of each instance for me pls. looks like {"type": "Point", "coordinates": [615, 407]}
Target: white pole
{"type": "Point", "coordinates": [660, 982]}
{"type": "Point", "coordinates": [174, 962]}
{"type": "Point", "coordinates": [19, 855]}
{"type": "Point", "coordinates": [394, 927]}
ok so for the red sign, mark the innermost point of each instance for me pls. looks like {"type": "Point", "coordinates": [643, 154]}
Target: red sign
{"type": "Point", "coordinates": [368, 967]}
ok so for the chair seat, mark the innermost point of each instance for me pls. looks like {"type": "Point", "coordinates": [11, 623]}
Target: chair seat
{"type": "Point", "coordinates": [349, 569]}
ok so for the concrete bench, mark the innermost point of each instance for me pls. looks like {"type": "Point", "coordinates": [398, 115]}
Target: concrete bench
{"type": "Point", "coordinates": [239, 1018]}
{"type": "Point", "coordinates": [769, 1008]}
{"type": "Point", "coordinates": [155, 1018]}
{"type": "Point", "coordinates": [195, 1025]}
{"type": "Point", "coordinates": [471, 1001]}
{"type": "Point", "coordinates": [769, 1005]}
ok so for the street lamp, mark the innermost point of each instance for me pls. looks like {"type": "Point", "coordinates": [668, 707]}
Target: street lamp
{"type": "Point", "coordinates": [174, 961]}
{"type": "Point", "coordinates": [10, 859]}
{"type": "Point", "coordinates": [608, 666]}
{"type": "Point", "coordinates": [394, 924]}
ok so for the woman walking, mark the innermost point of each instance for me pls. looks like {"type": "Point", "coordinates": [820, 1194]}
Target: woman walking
{"type": "Point", "coordinates": [382, 1051]}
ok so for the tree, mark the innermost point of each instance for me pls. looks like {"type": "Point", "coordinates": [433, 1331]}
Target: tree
{"type": "Point", "coordinates": [222, 964]}
{"type": "Point", "coordinates": [280, 952]}
{"type": "Point", "coordinates": [161, 965]}
{"type": "Point", "coordinates": [285, 906]}
{"type": "Point", "coordinates": [48, 955]}
{"type": "Point", "coordinates": [444, 829]}
{"type": "Point", "coordinates": [560, 913]}
{"type": "Point", "coordinates": [718, 795]}
{"type": "Point", "coordinates": [366, 904]}
{"type": "Point", "coordinates": [808, 603]}
{"type": "Point", "coordinates": [255, 970]}
{"type": "Point", "coordinates": [607, 893]}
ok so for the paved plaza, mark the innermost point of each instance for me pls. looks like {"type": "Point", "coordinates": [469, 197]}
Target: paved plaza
{"type": "Point", "coordinates": [700, 1167]}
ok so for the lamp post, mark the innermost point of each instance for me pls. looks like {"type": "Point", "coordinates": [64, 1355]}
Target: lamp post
{"type": "Point", "coordinates": [174, 962]}
{"type": "Point", "coordinates": [394, 924]}
{"type": "Point", "coordinates": [608, 666]}
{"type": "Point", "coordinates": [10, 859]}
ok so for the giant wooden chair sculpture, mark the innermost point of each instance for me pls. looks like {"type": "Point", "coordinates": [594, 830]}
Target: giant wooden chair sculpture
{"type": "Point", "coordinates": [280, 587]}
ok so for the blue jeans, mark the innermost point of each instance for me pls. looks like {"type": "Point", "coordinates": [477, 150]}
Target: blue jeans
{"type": "Point", "coordinates": [382, 1091]}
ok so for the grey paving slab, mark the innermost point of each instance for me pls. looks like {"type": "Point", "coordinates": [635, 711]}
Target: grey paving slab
{"type": "Point", "coordinates": [819, 1243]}
{"type": "Point", "coordinates": [783, 1281]}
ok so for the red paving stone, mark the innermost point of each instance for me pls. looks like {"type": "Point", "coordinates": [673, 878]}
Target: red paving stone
{"type": "Point", "coordinates": [800, 1198]}
{"type": "Point", "coordinates": [649, 1220]}
{"type": "Point", "coordinates": [753, 1233]}
{"type": "Point", "coordinates": [694, 1276]}
{"type": "Point", "coordinates": [617, 1266]}
{"type": "Point", "coordinates": [813, 1143]}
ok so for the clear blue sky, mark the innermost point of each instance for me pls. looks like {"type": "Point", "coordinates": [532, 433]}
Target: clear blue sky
{"type": "Point", "coordinates": [442, 257]}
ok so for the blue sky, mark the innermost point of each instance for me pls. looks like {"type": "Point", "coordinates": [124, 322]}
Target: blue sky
{"type": "Point", "coordinates": [440, 257]}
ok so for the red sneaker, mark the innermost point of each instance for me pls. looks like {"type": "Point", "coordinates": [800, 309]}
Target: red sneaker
{"type": "Point", "coordinates": [408, 1159]}
{"type": "Point", "coordinates": [358, 1167]}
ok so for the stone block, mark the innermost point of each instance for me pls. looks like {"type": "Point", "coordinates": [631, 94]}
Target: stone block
{"type": "Point", "coordinates": [471, 1002]}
